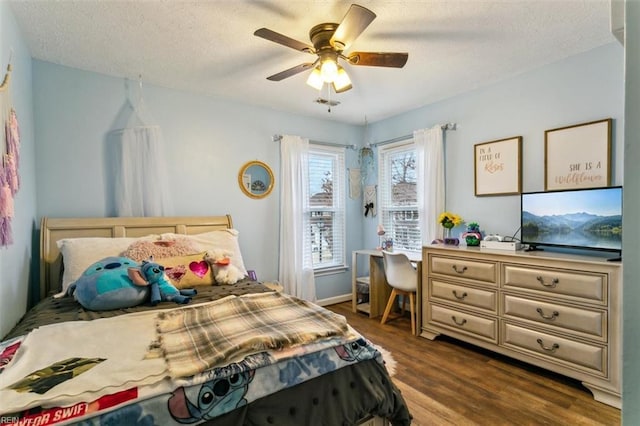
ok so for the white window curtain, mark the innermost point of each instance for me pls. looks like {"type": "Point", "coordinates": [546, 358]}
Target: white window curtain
{"type": "Point", "coordinates": [141, 185]}
{"type": "Point", "coordinates": [430, 176]}
{"type": "Point", "coordinates": [296, 262]}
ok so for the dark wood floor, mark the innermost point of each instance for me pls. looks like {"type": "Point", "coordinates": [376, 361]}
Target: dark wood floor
{"type": "Point", "coordinates": [447, 382]}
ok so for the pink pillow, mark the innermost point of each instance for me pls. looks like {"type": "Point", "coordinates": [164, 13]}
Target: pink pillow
{"type": "Point", "coordinates": [160, 249]}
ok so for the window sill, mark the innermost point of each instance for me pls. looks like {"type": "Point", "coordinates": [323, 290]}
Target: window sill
{"type": "Point", "coordinates": [331, 270]}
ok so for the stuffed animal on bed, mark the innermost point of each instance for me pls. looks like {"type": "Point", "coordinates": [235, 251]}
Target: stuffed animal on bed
{"type": "Point", "coordinates": [224, 271]}
{"type": "Point", "coordinates": [107, 285]}
{"type": "Point", "coordinates": [152, 274]}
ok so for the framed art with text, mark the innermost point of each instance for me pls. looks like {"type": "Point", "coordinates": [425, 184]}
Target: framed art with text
{"type": "Point", "coordinates": [498, 167]}
{"type": "Point", "coordinates": [578, 156]}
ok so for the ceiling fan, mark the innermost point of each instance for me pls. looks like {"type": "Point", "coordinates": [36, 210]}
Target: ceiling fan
{"type": "Point", "coordinates": [330, 40]}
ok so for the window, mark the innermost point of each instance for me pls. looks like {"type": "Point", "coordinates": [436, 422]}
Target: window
{"type": "Point", "coordinates": [326, 206]}
{"type": "Point", "coordinates": [397, 198]}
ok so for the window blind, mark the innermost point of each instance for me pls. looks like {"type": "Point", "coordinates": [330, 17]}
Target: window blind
{"type": "Point", "coordinates": [326, 206]}
{"type": "Point", "coordinates": [397, 195]}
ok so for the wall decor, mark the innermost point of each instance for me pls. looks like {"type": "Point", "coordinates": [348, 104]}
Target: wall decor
{"type": "Point", "coordinates": [498, 167]}
{"type": "Point", "coordinates": [256, 179]}
{"type": "Point", "coordinates": [9, 159]}
{"type": "Point", "coordinates": [578, 156]}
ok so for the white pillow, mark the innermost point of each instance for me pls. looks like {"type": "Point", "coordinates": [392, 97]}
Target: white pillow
{"type": "Point", "coordinates": [80, 253]}
{"type": "Point", "coordinates": [223, 239]}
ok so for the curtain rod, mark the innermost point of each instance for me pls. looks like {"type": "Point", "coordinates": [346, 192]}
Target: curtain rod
{"type": "Point", "coordinates": [448, 126]}
{"type": "Point", "coordinates": [278, 138]}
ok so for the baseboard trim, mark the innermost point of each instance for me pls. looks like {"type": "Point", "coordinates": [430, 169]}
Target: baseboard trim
{"type": "Point", "coordinates": [334, 300]}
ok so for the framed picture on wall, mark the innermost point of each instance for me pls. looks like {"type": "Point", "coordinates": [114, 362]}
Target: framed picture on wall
{"type": "Point", "coordinates": [498, 167]}
{"type": "Point", "coordinates": [578, 156]}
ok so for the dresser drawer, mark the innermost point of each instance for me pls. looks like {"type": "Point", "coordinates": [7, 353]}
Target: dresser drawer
{"type": "Point", "coordinates": [464, 295]}
{"type": "Point", "coordinates": [463, 322]}
{"type": "Point", "coordinates": [465, 268]}
{"type": "Point", "coordinates": [592, 358]}
{"type": "Point", "coordinates": [592, 287]}
{"type": "Point", "coordinates": [587, 322]}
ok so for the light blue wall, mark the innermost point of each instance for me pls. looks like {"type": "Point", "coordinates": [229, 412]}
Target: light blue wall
{"type": "Point", "coordinates": [631, 213]}
{"type": "Point", "coordinates": [206, 142]}
{"type": "Point", "coordinates": [16, 260]}
{"type": "Point", "coordinates": [579, 89]}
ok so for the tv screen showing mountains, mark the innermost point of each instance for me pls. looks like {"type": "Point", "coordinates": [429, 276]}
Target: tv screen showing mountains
{"type": "Point", "coordinates": [573, 229]}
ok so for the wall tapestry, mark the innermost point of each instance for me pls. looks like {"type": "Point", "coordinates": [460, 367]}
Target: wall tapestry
{"type": "Point", "coordinates": [9, 178]}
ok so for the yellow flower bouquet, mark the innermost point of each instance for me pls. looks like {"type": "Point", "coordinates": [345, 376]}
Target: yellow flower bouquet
{"type": "Point", "coordinates": [448, 220]}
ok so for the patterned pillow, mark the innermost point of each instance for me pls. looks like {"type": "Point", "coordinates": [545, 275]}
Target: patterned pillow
{"type": "Point", "coordinates": [187, 271]}
{"type": "Point", "coordinates": [160, 249]}
{"type": "Point", "coordinates": [223, 239]}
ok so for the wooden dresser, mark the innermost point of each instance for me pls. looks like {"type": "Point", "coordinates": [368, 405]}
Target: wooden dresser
{"type": "Point", "coordinates": [558, 311]}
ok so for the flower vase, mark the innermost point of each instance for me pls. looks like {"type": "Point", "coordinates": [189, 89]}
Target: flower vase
{"type": "Point", "coordinates": [447, 237]}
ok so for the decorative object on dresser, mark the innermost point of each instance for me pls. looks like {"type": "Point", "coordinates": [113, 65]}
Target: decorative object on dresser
{"type": "Point", "coordinates": [578, 156]}
{"type": "Point", "coordinates": [403, 279]}
{"type": "Point", "coordinates": [558, 311]}
{"type": "Point", "coordinates": [449, 220]}
{"type": "Point", "coordinates": [498, 167]}
{"type": "Point", "coordinates": [473, 236]}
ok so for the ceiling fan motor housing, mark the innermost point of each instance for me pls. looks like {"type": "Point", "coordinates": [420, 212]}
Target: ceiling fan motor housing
{"type": "Point", "coordinates": [320, 36]}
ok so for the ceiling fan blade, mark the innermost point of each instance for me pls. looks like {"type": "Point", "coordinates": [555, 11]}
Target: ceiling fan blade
{"type": "Point", "coordinates": [284, 40]}
{"type": "Point", "coordinates": [291, 71]}
{"type": "Point", "coordinates": [379, 59]}
{"type": "Point", "coordinates": [353, 24]}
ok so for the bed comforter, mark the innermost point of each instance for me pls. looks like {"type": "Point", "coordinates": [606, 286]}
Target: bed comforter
{"type": "Point", "coordinates": [339, 380]}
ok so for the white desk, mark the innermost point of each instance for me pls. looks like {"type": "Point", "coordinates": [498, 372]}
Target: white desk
{"type": "Point", "coordinates": [379, 289]}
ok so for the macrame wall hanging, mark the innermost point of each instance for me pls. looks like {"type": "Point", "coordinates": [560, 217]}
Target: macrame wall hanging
{"type": "Point", "coordinates": [9, 178]}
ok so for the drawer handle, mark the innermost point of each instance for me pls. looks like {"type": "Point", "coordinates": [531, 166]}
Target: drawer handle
{"type": "Point", "coordinates": [551, 317]}
{"type": "Point", "coordinates": [552, 348]}
{"type": "Point", "coordinates": [461, 323]}
{"type": "Point", "coordinates": [459, 270]}
{"type": "Point", "coordinates": [553, 283]}
{"type": "Point", "coordinates": [455, 294]}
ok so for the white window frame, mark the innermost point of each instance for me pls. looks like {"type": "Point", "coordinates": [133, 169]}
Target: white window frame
{"type": "Point", "coordinates": [385, 199]}
{"type": "Point", "coordinates": [338, 262]}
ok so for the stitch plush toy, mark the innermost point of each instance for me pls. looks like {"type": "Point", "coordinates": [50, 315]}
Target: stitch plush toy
{"type": "Point", "coordinates": [161, 289]}
{"type": "Point", "coordinates": [106, 284]}
{"type": "Point", "coordinates": [224, 271]}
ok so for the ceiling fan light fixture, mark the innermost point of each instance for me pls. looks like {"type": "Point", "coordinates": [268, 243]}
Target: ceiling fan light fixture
{"type": "Point", "coordinates": [315, 79]}
{"type": "Point", "coordinates": [329, 70]}
{"type": "Point", "coordinates": [342, 82]}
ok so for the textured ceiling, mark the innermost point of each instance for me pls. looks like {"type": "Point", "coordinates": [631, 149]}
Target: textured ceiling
{"type": "Point", "coordinates": [208, 47]}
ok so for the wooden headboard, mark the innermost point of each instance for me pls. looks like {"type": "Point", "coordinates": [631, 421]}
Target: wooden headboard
{"type": "Point", "coordinates": [54, 229]}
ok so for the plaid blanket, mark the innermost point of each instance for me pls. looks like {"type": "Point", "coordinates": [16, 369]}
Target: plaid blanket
{"type": "Point", "coordinates": [198, 338]}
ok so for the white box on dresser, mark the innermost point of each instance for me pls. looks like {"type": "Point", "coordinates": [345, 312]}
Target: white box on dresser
{"type": "Point", "coordinates": [558, 311]}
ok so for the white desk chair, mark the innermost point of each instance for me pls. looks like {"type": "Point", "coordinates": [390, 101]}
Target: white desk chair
{"type": "Point", "coordinates": [403, 279]}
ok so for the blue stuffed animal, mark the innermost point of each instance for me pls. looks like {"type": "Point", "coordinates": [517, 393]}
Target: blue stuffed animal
{"type": "Point", "coordinates": [162, 290]}
{"type": "Point", "coordinates": [108, 284]}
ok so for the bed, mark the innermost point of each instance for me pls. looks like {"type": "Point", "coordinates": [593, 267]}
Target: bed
{"type": "Point", "coordinates": [142, 365]}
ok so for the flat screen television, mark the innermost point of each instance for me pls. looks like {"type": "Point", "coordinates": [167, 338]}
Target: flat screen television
{"type": "Point", "coordinates": [589, 219]}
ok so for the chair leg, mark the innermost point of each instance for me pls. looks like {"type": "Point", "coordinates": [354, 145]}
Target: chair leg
{"type": "Point", "coordinates": [412, 306]}
{"type": "Point", "coordinates": [404, 302]}
{"type": "Point", "coordinates": [390, 303]}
